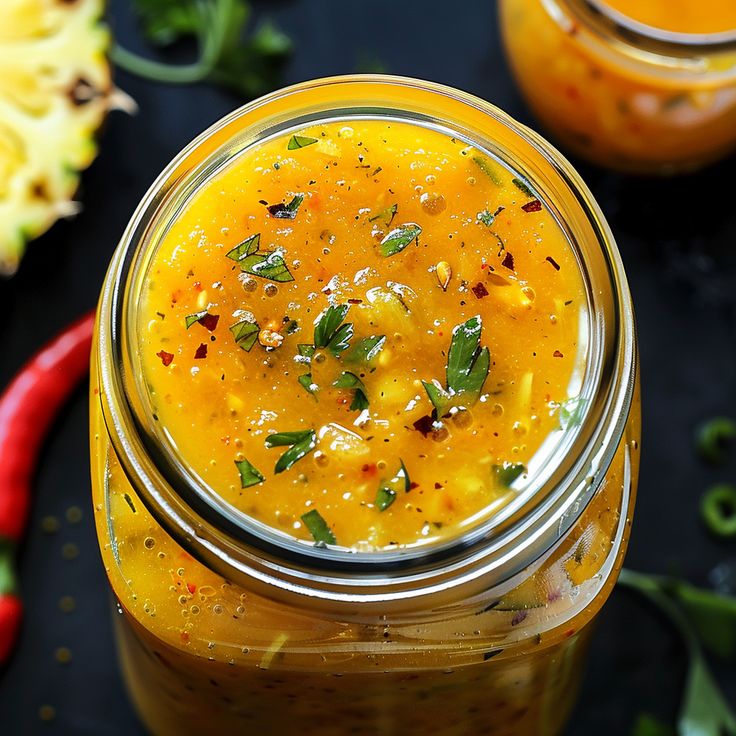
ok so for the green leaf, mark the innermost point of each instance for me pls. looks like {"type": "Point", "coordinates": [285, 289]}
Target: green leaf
{"type": "Point", "coordinates": [249, 474]}
{"type": "Point", "coordinates": [488, 218]}
{"type": "Point", "coordinates": [301, 443]}
{"type": "Point", "coordinates": [398, 239]}
{"type": "Point", "coordinates": [192, 319]}
{"type": "Point", "coordinates": [305, 381]}
{"type": "Point", "coordinates": [523, 186]}
{"type": "Point", "coordinates": [572, 411]}
{"type": "Point", "coordinates": [365, 350]}
{"type": "Point", "coordinates": [288, 211]}
{"type": "Point", "coordinates": [341, 339]}
{"type": "Point", "coordinates": [245, 334]}
{"type": "Point", "coordinates": [387, 214]}
{"type": "Point", "coordinates": [402, 476]}
{"type": "Point", "coordinates": [269, 266]}
{"type": "Point", "coordinates": [467, 363]}
{"type": "Point", "coordinates": [321, 533]}
{"type": "Point", "coordinates": [328, 323]}
{"type": "Point", "coordinates": [714, 437]}
{"type": "Point", "coordinates": [489, 169]}
{"type": "Point", "coordinates": [349, 380]}
{"type": "Point", "coordinates": [300, 141]}
{"type": "Point", "coordinates": [248, 246]}
{"type": "Point", "coordinates": [438, 396]}
{"type": "Point", "coordinates": [385, 496]}
{"type": "Point", "coordinates": [507, 473]}
{"type": "Point", "coordinates": [305, 350]}
{"type": "Point", "coordinates": [647, 725]}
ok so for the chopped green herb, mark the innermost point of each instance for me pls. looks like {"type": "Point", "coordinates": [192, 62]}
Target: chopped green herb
{"type": "Point", "coordinates": [207, 320]}
{"type": "Point", "coordinates": [305, 381]}
{"type": "Point", "coordinates": [485, 165]}
{"type": "Point", "coordinates": [467, 369]}
{"type": "Point", "coordinates": [300, 443]}
{"type": "Point", "coordinates": [306, 351]}
{"type": "Point", "coordinates": [718, 510]}
{"type": "Point", "coordinates": [398, 239]}
{"type": "Point", "coordinates": [245, 334]}
{"type": "Point", "coordinates": [366, 349]}
{"type": "Point", "coordinates": [300, 141]}
{"type": "Point", "coordinates": [714, 437]}
{"type": "Point", "coordinates": [269, 266]}
{"type": "Point", "coordinates": [385, 496]}
{"type": "Point", "coordinates": [507, 473]}
{"type": "Point", "coordinates": [488, 218]}
{"type": "Point", "coordinates": [249, 474]}
{"type": "Point", "coordinates": [349, 380]}
{"type": "Point", "coordinates": [330, 332]}
{"type": "Point", "coordinates": [572, 411]}
{"type": "Point", "coordinates": [248, 246]}
{"type": "Point", "coordinates": [288, 211]}
{"type": "Point", "coordinates": [291, 327]}
{"type": "Point", "coordinates": [192, 319]}
{"type": "Point", "coordinates": [321, 533]}
{"type": "Point", "coordinates": [523, 186]}
{"type": "Point", "coordinates": [387, 214]}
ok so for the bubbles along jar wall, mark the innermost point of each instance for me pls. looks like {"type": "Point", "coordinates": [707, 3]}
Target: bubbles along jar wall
{"type": "Point", "coordinates": [221, 626]}
{"type": "Point", "coordinates": [620, 93]}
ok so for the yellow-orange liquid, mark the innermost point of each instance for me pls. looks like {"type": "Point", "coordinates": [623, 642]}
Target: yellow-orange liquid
{"type": "Point", "coordinates": [681, 16]}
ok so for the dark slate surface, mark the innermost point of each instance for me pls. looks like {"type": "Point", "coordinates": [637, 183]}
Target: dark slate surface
{"type": "Point", "coordinates": [678, 240]}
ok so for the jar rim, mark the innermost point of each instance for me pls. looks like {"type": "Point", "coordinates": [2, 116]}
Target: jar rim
{"type": "Point", "coordinates": [342, 576]}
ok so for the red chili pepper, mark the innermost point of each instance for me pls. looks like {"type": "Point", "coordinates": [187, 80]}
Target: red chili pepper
{"type": "Point", "coordinates": [28, 406]}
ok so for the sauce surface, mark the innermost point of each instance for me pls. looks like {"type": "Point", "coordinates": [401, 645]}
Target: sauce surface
{"type": "Point", "coordinates": [361, 334]}
{"type": "Point", "coordinates": [681, 16]}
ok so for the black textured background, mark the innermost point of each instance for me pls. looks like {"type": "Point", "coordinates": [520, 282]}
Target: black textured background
{"type": "Point", "coordinates": [678, 240]}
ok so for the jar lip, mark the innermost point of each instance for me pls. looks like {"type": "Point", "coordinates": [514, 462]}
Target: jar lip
{"type": "Point", "coordinates": [644, 33]}
{"type": "Point", "coordinates": [332, 570]}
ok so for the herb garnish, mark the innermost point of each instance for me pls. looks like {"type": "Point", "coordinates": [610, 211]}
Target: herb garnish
{"type": "Point", "coordinates": [321, 533]}
{"type": "Point", "coordinates": [288, 211]}
{"type": "Point", "coordinates": [488, 218]}
{"type": "Point", "coordinates": [507, 473]}
{"type": "Point", "coordinates": [349, 380]}
{"type": "Point", "coordinates": [398, 239]}
{"type": "Point", "coordinates": [300, 141]}
{"type": "Point", "coordinates": [331, 332]}
{"type": "Point", "coordinates": [249, 474]}
{"type": "Point", "coordinates": [466, 372]}
{"type": "Point", "coordinates": [305, 381]}
{"type": "Point", "coordinates": [245, 334]}
{"type": "Point", "coordinates": [207, 320]}
{"type": "Point", "coordinates": [488, 169]}
{"type": "Point", "coordinates": [299, 443]}
{"type": "Point", "coordinates": [523, 186]}
{"type": "Point", "coordinates": [267, 265]}
{"type": "Point", "coordinates": [366, 349]}
{"type": "Point", "coordinates": [718, 510]}
{"type": "Point", "coordinates": [387, 214]}
{"type": "Point", "coordinates": [389, 489]}
{"type": "Point", "coordinates": [714, 437]}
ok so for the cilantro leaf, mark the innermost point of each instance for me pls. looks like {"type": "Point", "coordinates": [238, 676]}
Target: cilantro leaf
{"type": "Point", "coordinates": [300, 141]}
{"type": "Point", "coordinates": [385, 496]}
{"type": "Point", "coordinates": [305, 381]}
{"type": "Point", "coordinates": [488, 168]}
{"type": "Point", "coordinates": [248, 246]}
{"type": "Point", "coordinates": [398, 239]}
{"type": "Point", "coordinates": [245, 334]}
{"type": "Point", "coordinates": [388, 490]}
{"type": "Point", "coordinates": [318, 528]}
{"type": "Point", "coordinates": [366, 349]}
{"type": "Point", "coordinates": [288, 211]}
{"type": "Point", "coordinates": [249, 474]}
{"type": "Point", "coordinates": [271, 266]}
{"type": "Point", "coordinates": [488, 218]}
{"type": "Point", "coordinates": [329, 330]}
{"type": "Point", "coordinates": [300, 443]}
{"type": "Point", "coordinates": [507, 473]}
{"type": "Point", "coordinates": [387, 214]}
{"type": "Point", "coordinates": [349, 380]}
{"type": "Point", "coordinates": [523, 186]}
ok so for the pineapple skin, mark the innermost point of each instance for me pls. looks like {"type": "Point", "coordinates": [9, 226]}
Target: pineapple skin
{"type": "Point", "coordinates": [55, 91]}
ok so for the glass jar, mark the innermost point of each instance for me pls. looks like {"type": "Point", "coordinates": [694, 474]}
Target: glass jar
{"type": "Point", "coordinates": [221, 625]}
{"type": "Point", "coordinates": [620, 93]}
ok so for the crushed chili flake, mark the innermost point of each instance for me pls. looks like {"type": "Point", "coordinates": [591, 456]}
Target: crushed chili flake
{"type": "Point", "coordinates": [192, 588]}
{"type": "Point", "coordinates": [479, 290]}
{"type": "Point", "coordinates": [166, 358]}
{"type": "Point", "coordinates": [355, 301]}
{"type": "Point", "coordinates": [554, 263]}
{"type": "Point", "coordinates": [508, 261]}
{"type": "Point", "coordinates": [558, 354]}
{"type": "Point", "coordinates": [413, 485]}
{"type": "Point", "coordinates": [209, 321]}
{"type": "Point", "coordinates": [424, 424]}
{"type": "Point", "coordinates": [534, 206]}
{"type": "Point", "coordinates": [438, 485]}
{"type": "Point", "coordinates": [201, 352]}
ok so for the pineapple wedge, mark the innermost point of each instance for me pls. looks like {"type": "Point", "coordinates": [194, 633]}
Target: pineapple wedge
{"type": "Point", "coordinates": [55, 90]}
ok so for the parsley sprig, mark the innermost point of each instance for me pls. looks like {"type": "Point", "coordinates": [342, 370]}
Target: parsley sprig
{"type": "Point", "coordinates": [264, 264]}
{"type": "Point", "coordinates": [466, 372]}
{"type": "Point", "coordinates": [250, 64]}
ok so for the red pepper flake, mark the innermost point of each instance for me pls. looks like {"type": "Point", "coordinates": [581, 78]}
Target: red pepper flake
{"type": "Point", "coordinates": [355, 301]}
{"type": "Point", "coordinates": [413, 485]}
{"type": "Point", "coordinates": [557, 354]}
{"type": "Point", "coordinates": [201, 352]}
{"type": "Point", "coordinates": [192, 588]}
{"type": "Point", "coordinates": [554, 263]}
{"type": "Point", "coordinates": [197, 286]}
{"type": "Point", "coordinates": [534, 206]}
{"type": "Point", "coordinates": [508, 261]}
{"type": "Point", "coordinates": [479, 290]}
{"type": "Point", "coordinates": [166, 358]}
{"type": "Point", "coordinates": [424, 424]}
{"type": "Point", "coordinates": [438, 485]}
{"type": "Point", "coordinates": [209, 321]}
{"type": "Point", "coordinates": [369, 469]}
{"type": "Point", "coordinates": [519, 616]}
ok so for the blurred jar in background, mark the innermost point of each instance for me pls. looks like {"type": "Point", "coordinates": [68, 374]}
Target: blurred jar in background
{"type": "Point", "coordinates": [644, 86]}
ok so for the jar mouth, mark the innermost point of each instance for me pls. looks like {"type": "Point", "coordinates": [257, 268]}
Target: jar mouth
{"type": "Point", "coordinates": [644, 34]}
{"type": "Point", "coordinates": [496, 549]}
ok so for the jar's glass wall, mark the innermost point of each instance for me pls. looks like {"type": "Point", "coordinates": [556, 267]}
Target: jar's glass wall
{"type": "Point", "coordinates": [614, 100]}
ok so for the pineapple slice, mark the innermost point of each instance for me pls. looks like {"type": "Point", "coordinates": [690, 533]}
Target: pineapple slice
{"type": "Point", "coordinates": [55, 90]}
